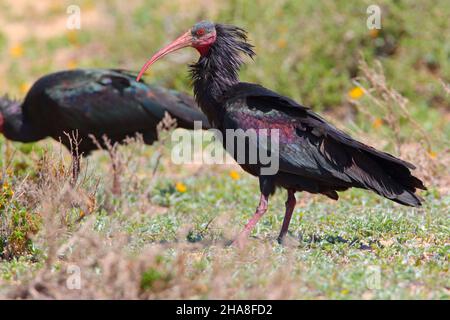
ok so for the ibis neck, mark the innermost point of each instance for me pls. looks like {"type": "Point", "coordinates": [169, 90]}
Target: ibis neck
{"type": "Point", "coordinates": [217, 70]}
{"type": "Point", "coordinates": [212, 78]}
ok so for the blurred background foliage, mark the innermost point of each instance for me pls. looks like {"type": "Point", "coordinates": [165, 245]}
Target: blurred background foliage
{"type": "Point", "coordinates": [308, 50]}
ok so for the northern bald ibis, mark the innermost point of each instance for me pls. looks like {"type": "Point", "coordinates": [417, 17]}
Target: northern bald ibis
{"type": "Point", "coordinates": [94, 102]}
{"type": "Point", "coordinates": [314, 156]}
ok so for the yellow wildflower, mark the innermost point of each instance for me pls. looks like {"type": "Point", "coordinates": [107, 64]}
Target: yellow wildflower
{"type": "Point", "coordinates": [180, 187]}
{"type": "Point", "coordinates": [356, 93]}
{"type": "Point", "coordinates": [345, 291]}
{"type": "Point", "coordinates": [282, 43]}
{"type": "Point", "coordinates": [89, 5]}
{"type": "Point", "coordinates": [432, 154]}
{"type": "Point", "coordinates": [56, 7]}
{"type": "Point", "coordinates": [24, 87]}
{"type": "Point", "coordinates": [7, 190]}
{"type": "Point", "coordinates": [378, 122]}
{"type": "Point", "coordinates": [373, 33]}
{"type": "Point", "coordinates": [235, 175]}
{"type": "Point", "coordinates": [16, 51]}
{"type": "Point", "coordinates": [72, 37]}
{"type": "Point", "coordinates": [71, 64]}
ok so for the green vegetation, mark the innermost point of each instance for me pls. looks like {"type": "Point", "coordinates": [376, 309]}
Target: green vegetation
{"type": "Point", "coordinates": [167, 236]}
{"type": "Point", "coordinates": [18, 223]}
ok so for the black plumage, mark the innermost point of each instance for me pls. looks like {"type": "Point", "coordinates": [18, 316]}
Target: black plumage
{"type": "Point", "coordinates": [314, 156]}
{"type": "Point", "coordinates": [94, 102]}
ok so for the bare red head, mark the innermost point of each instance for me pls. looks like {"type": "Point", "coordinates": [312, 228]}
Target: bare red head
{"type": "Point", "coordinates": [201, 37]}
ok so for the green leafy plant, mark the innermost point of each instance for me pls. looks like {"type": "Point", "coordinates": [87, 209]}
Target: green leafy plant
{"type": "Point", "coordinates": [18, 225]}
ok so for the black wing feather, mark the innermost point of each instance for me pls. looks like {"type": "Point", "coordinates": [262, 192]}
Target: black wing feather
{"type": "Point", "coordinates": [318, 151]}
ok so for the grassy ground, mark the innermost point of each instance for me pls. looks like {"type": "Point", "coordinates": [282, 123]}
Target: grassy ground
{"type": "Point", "coordinates": [167, 235]}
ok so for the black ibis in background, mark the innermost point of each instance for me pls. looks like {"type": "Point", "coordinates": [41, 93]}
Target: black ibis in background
{"type": "Point", "coordinates": [94, 102]}
{"type": "Point", "coordinates": [314, 156]}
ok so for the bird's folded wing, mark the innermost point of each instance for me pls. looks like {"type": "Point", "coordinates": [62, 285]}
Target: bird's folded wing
{"type": "Point", "coordinates": [298, 150]}
{"type": "Point", "coordinates": [311, 147]}
{"type": "Point", "coordinates": [102, 102]}
{"type": "Point", "coordinates": [179, 105]}
{"type": "Point", "coordinates": [264, 99]}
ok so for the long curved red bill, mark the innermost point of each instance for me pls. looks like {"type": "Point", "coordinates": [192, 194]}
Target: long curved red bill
{"type": "Point", "coordinates": [183, 41]}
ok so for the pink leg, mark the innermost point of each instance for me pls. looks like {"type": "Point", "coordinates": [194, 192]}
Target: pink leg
{"type": "Point", "coordinates": [290, 205]}
{"type": "Point", "coordinates": [262, 208]}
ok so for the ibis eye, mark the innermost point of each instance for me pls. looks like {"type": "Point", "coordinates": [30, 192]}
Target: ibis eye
{"type": "Point", "coordinates": [200, 32]}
